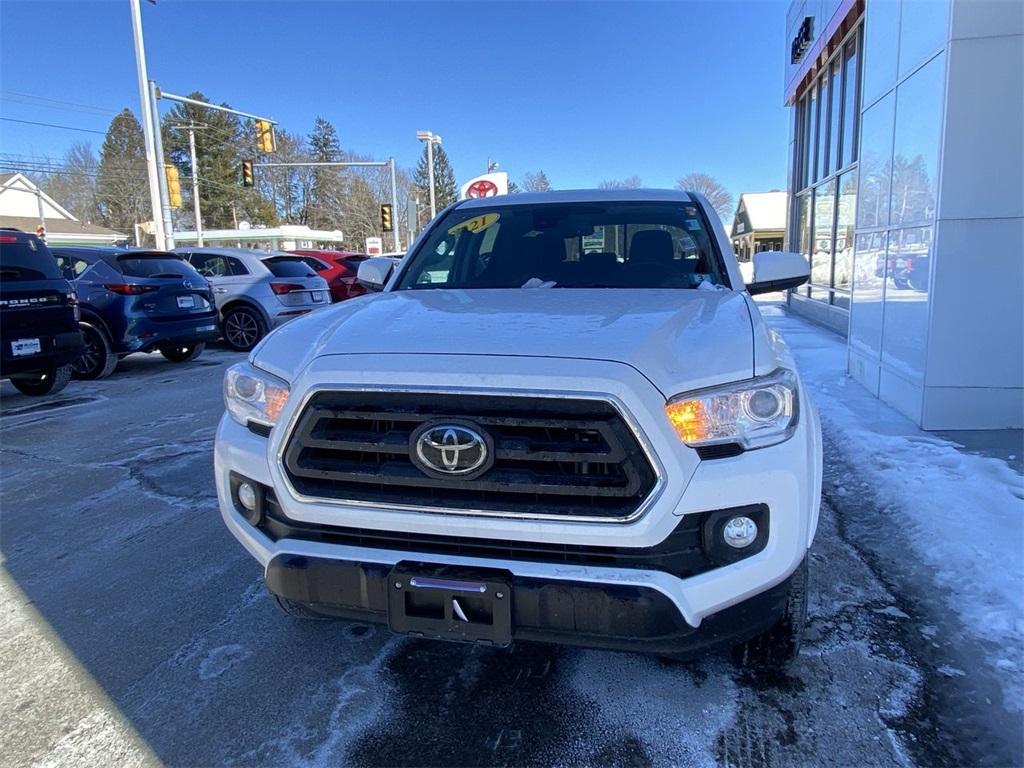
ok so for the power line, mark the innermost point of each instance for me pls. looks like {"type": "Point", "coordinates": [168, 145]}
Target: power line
{"type": "Point", "coordinates": [52, 125]}
{"type": "Point", "coordinates": [72, 106]}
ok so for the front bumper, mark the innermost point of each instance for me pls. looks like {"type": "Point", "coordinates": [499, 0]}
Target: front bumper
{"type": "Point", "coordinates": [621, 617]}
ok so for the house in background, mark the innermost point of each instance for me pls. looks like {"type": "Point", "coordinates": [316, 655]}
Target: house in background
{"type": "Point", "coordinates": [24, 206]}
{"type": "Point", "coordinates": [759, 224]}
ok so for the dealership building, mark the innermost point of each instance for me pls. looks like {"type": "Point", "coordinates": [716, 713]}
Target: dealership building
{"type": "Point", "coordinates": [906, 195]}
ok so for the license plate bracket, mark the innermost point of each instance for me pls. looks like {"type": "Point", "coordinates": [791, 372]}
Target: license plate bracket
{"type": "Point", "coordinates": [23, 347]}
{"type": "Point", "coordinates": [451, 603]}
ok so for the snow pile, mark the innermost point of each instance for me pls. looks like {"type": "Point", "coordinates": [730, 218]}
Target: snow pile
{"type": "Point", "coordinates": [962, 514]}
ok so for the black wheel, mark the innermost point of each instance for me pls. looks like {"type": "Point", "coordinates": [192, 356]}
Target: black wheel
{"type": "Point", "coordinates": [183, 353]}
{"type": "Point", "coordinates": [243, 328]}
{"type": "Point", "coordinates": [97, 360]}
{"type": "Point", "coordinates": [46, 383]}
{"type": "Point", "coordinates": [779, 646]}
{"type": "Point", "coordinates": [298, 610]}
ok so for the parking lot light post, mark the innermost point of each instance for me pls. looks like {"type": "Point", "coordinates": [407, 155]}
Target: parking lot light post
{"type": "Point", "coordinates": [431, 139]}
{"type": "Point", "coordinates": [158, 150]}
{"type": "Point", "coordinates": [153, 170]}
{"type": "Point", "coordinates": [394, 204]}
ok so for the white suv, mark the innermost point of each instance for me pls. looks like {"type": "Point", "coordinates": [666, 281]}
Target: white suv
{"type": "Point", "coordinates": [562, 419]}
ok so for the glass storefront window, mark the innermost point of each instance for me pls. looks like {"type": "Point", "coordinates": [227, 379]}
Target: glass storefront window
{"type": "Point", "coordinates": [835, 89]}
{"type": "Point", "coordinates": [804, 225]}
{"type": "Point", "coordinates": [916, 144]}
{"type": "Point", "coordinates": [880, 47]}
{"type": "Point", "coordinates": [850, 106]}
{"type": "Point", "coordinates": [875, 164]}
{"type": "Point", "coordinates": [822, 141]}
{"type": "Point", "coordinates": [924, 27]}
{"type": "Point", "coordinates": [842, 274]}
{"type": "Point", "coordinates": [824, 219]}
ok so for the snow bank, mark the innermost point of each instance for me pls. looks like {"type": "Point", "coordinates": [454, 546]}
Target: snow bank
{"type": "Point", "coordinates": [963, 514]}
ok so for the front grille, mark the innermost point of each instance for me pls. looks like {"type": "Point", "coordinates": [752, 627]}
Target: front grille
{"type": "Point", "coordinates": [681, 553]}
{"type": "Point", "coordinates": [553, 457]}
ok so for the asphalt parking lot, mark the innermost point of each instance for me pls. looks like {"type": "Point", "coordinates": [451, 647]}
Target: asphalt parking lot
{"type": "Point", "coordinates": [135, 630]}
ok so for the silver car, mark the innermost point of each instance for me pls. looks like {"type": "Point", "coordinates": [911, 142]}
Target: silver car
{"type": "Point", "coordinates": [256, 291]}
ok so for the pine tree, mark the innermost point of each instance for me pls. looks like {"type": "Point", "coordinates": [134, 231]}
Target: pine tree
{"type": "Point", "coordinates": [325, 208]}
{"type": "Point", "coordinates": [513, 188]}
{"type": "Point", "coordinates": [122, 183]}
{"type": "Point", "coordinates": [446, 191]}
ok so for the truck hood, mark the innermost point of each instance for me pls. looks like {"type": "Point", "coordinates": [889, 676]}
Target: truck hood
{"type": "Point", "coordinates": [678, 339]}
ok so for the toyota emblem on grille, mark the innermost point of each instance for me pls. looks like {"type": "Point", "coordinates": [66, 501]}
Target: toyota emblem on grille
{"type": "Point", "coordinates": [451, 450]}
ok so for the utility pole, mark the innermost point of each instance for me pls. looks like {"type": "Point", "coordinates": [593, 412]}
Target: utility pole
{"type": "Point", "coordinates": [158, 145]}
{"type": "Point", "coordinates": [153, 170]}
{"type": "Point", "coordinates": [394, 204]}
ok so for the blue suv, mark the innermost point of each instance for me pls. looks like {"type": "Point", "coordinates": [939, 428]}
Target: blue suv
{"type": "Point", "coordinates": [137, 301]}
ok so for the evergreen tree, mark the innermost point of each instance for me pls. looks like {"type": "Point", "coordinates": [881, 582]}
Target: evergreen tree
{"type": "Point", "coordinates": [536, 182]}
{"type": "Point", "coordinates": [513, 188]}
{"type": "Point", "coordinates": [445, 189]}
{"type": "Point", "coordinates": [325, 207]}
{"type": "Point", "coordinates": [122, 183]}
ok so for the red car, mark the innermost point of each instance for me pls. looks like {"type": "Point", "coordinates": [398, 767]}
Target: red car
{"type": "Point", "coordinates": [338, 268]}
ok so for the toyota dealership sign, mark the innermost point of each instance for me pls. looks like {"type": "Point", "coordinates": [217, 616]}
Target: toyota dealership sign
{"type": "Point", "coordinates": [487, 185]}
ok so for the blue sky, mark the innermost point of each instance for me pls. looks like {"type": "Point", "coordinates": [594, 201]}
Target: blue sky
{"type": "Point", "coordinates": [583, 91]}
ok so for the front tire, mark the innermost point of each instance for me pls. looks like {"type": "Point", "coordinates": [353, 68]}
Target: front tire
{"type": "Point", "coordinates": [46, 383]}
{"type": "Point", "coordinates": [98, 360]}
{"type": "Point", "coordinates": [183, 353]}
{"type": "Point", "coordinates": [243, 328]}
{"type": "Point", "coordinates": [779, 646]}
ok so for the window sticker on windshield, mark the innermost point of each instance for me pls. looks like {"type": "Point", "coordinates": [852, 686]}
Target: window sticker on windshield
{"type": "Point", "coordinates": [693, 225]}
{"type": "Point", "coordinates": [476, 224]}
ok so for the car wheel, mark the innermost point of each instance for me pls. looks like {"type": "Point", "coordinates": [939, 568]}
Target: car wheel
{"type": "Point", "coordinates": [779, 646]}
{"type": "Point", "coordinates": [183, 353]}
{"type": "Point", "coordinates": [298, 610]}
{"type": "Point", "coordinates": [243, 328]}
{"type": "Point", "coordinates": [46, 383]}
{"type": "Point", "coordinates": [97, 360]}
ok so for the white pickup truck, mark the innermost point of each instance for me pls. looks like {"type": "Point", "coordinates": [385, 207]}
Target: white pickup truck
{"type": "Point", "coordinates": [560, 418]}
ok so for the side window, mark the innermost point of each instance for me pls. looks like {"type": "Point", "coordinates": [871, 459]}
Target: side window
{"type": "Point", "coordinates": [235, 267]}
{"type": "Point", "coordinates": [78, 266]}
{"type": "Point", "coordinates": [210, 264]}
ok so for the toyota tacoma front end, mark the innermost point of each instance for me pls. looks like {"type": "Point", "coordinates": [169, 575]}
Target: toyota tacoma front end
{"type": "Point", "coordinates": [562, 419]}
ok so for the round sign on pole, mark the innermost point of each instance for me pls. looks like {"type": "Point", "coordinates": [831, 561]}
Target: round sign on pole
{"type": "Point", "coordinates": [482, 188]}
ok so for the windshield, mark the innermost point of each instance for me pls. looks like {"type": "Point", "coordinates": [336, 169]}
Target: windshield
{"type": "Point", "coordinates": [26, 258]}
{"type": "Point", "coordinates": [568, 245]}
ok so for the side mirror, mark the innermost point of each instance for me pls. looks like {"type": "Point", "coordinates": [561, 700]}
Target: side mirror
{"type": "Point", "coordinates": [374, 273]}
{"type": "Point", "coordinates": [778, 271]}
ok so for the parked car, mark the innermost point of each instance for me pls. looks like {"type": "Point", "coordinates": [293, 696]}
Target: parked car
{"type": "Point", "coordinates": [256, 291]}
{"type": "Point", "coordinates": [39, 335]}
{"type": "Point", "coordinates": [519, 440]}
{"type": "Point", "coordinates": [338, 268]}
{"type": "Point", "coordinates": [137, 301]}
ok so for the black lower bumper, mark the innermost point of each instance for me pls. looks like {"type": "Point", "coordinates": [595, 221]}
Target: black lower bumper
{"type": "Point", "coordinates": [609, 616]}
{"type": "Point", "coordinates": [57, 350]}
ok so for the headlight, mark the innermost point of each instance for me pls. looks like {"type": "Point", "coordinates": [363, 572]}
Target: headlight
{"type": "Point", "coordinates": [252, 395]}
{"type": "Point", "coordinates": [752, 413]}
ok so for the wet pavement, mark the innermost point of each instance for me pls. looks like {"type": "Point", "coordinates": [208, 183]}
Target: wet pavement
{"type": "Point", "coordinates": [136, 630]}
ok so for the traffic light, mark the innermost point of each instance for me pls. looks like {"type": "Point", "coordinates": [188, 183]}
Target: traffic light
{"type": "Point", "coordinates": [248, 179]}
{"type": "Point", "coordinates": [386, 224]}
{"type": "Point", "coordinates": [173, 185]}
{"type": "Point", "coordinates": [265, 136]}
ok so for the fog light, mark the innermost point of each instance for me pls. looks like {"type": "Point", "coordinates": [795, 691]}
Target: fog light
{"type": "Point", "coordinates": [738, 532]}
{"type": "Point", "coordinates": [247, 497]}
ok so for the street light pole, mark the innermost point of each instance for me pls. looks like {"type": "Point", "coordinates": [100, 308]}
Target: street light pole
{"type": "Point", "coordinates": [394, 206]}
{"type": "Point", "coordinates": [195, 184]}
{"type": "Point", "coordinates": [158, 150]}
{"type": "Point", "coordinates": [152, 168]}
{"type": "Point", "coordinates": [431, 139]}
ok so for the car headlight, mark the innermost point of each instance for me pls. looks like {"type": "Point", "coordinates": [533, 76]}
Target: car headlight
{"type": "Point", "coordinates": [752, 413]}
{"type": "Point", "coordinates": [252, 395]}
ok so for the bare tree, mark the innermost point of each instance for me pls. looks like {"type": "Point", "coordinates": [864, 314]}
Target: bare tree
{"type": "Point", "coordinates": [719, 197]}
{"type": "Point", "coordinates": [536, 182]}
{"type": "Point", "coordinates": [633, 182]}
{"type": "Point", "coordinates": [73, 182]}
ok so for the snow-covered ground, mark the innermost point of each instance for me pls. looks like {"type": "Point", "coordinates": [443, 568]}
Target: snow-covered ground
{"type": "Point", "coordinates": [962, 514]}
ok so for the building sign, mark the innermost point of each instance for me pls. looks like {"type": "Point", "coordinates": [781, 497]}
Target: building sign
{"type": "Point", "coordinates": [802, 41]}
{"type": "Point", "coordinates": [487, 185]}
{"type": "Point", "coordinates": [374, 246]}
